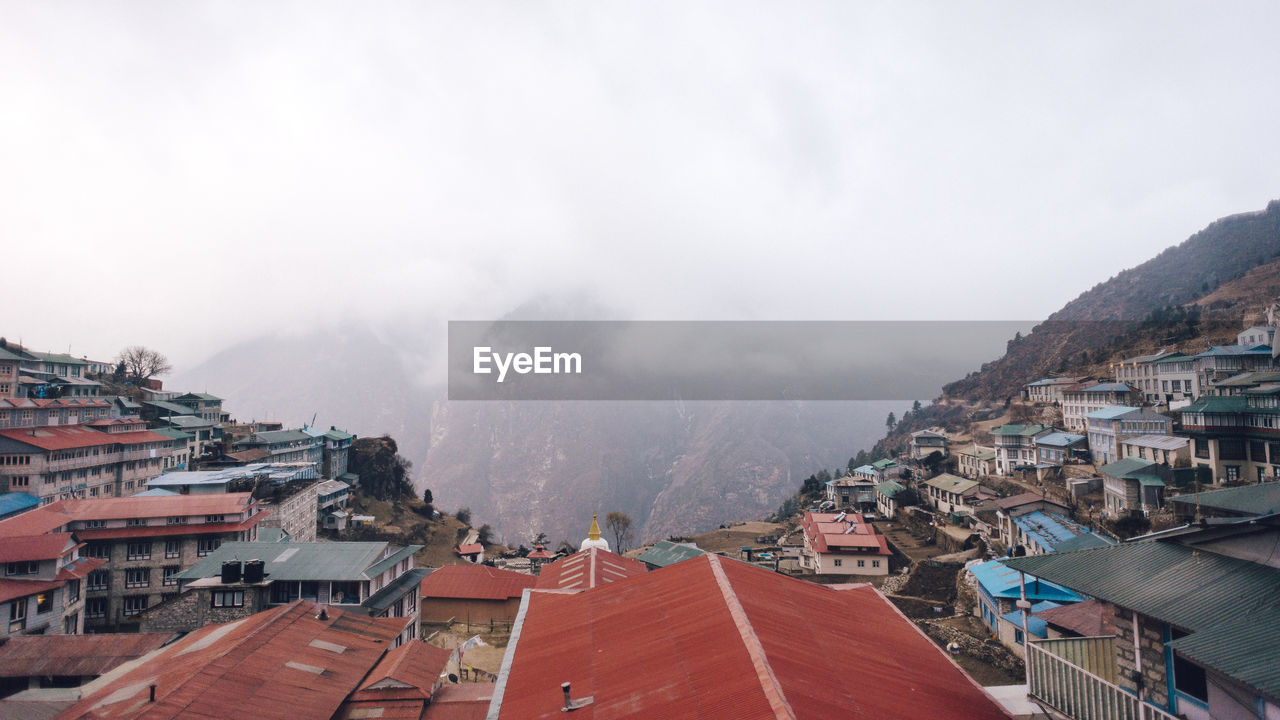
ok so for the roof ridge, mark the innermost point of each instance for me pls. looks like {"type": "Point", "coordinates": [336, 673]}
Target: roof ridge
{"type": "Point", "coordinates": [759, 660]}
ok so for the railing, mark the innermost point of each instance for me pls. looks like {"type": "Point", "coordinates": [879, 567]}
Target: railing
{"type": "Point", "coordinates": [1078, 693]}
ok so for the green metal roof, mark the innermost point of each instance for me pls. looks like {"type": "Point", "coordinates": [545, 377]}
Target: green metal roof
{"type": "Point", "coordinates": [884, 464]}
{"type": "Point", "coordinates": [381, 566]}
{"type": "Point", "coordinates": [952, 483]}
{"type": "Point", "coordinates": [333, 434]}
{"type": "Point", "coordinates": [169, 407]}
{"type": "Point", "coordinates": [187, 421]}
{"type": "Point", "coordinates": [1225, 603]}
{"type": "Point", "coordinates": [665, 552]}
{"type": "Point", "coordinates": [61, 358]}
{"type": "Point", "coordinates": [295, 561]}
{"type": "Point", "coordinates": [1262, 499]}
{"type": "Point", "coordinates": [1128, 467]}
{"type": "Point", "coordinates": [200, 396]}
{"type": "Point", "coordinates": [172, 433]}
{"type": "Point", "coordinates": [889, 488]}
{"type": "Point", "coordinates": [1083, 541]}
{"type": "Point", "coordinates": [1217, 404]}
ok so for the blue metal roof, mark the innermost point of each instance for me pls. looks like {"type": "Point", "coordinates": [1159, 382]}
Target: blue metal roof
{"type": "Point", "coordinates": [1000, 581]}
{"type": "Point", "coordinates": [12, 503]}
{"type": "Point", "coordinates": [1110, 413]}
{"type": "Point", "coordinates": [1038, 627]}
{"type": "Point", "coordinates": [1059, 439]}
{"type": "Point", "coordinates": [1048, 529]}
{"type": "Point", "coordinates": [1109, 387]}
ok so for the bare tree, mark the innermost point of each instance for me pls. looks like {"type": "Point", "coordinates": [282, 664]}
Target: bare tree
{"type": "Point", "coordinates": [143, 363]}
{"type": "Point", "coordinates": [620, 525]}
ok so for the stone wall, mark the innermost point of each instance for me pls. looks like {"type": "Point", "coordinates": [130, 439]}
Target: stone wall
{"type": "Point", "coordinates": [988, 651]}
{"type": "Point", "coordinates": [1152, 640]}
{"type": "Point", "coordinates": [194, 609]}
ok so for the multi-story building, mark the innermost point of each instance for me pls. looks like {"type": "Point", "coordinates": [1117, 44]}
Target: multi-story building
{"type": "Point", "coordinates": [1048, 391]}
{"type": "Point", "coordinates": [42, 591]}
{"type": "Point", "coordinates": [143, 543]}
{"type": "Point", "coordinates": [843, 544]}
{"type": "Point", "coordinates": [287, 446]}
{"type": "Point", "coordinates": [1015, 446]}
{"type": "Point", "coordinates": [1060, 448]}
{"type": "Point", "coordinates": [951, 494]}
{"type": "Point", "coordinates": [1179, 381]}
{"type": "Point", "coordinates": [55, 463]}
{"type": "Point", "coordinates": [11, 360]}
{"type": "Point", "coordinates": [1140, 373]}
{"type": "Point", "coordinates": [1080, 401]}
{"type": "Point", "coordinates": [376, 576]}
{"type": "Point", "coordinates": [42, 412]}
{"type": "Point", "coordinates": [1224, 361]}
{"type": "Point", "coordinates": [1237, 436]}
{"type": "Point", "coordinates": [203, 405]}
{"type": "Point", "coordinates": [1107, 426]}
{"type": "Point", "coordinates": [1170, 450]}
{"type": "Point", "coordinates": [337, 449]}
{"type": "Point", "coordinates": [975, 461]}
{"type": "Point", "coordinates": [1133, 486]}
{"type": "Point", "coordinates": [204, 435]}
{"type": "Point", "coordinates": [1257, 335]}
{"type": "Point", "coordinates": [926, 442]}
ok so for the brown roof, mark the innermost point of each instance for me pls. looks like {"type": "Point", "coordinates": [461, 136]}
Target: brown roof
{"type": "Point", "coordinates": [401, 684]}
{"type": "Point", "coordinates": [35, 547]}
{"type": "Point", "coordinates": [1091, 618]}
{"type": "Point", "coordinates": [286, 662]}
{"type": "Point", "coordinates": [248, 456]}
{"type": "Point", "coordinates": [54, 516]}
{"type": "Point", "coordinates": [464, 701]}
{"type": "Point", "coordinates": [475, 582]}
{"type": "Point", "coordinates": [39, 655]}
{"type": "Point", "coordinates": [78, 436]}
{"type": "Point", "coordinates": [1025, 498]}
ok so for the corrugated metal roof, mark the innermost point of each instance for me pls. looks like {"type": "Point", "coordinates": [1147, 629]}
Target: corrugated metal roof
{"type": "Point", "coordinates": [382, 565]}
{"type": "Point", "coordinates": [587, 569]}
{"type": "Point", "coordinates": [1261, 499]}
{"type": "Point", "coordinates": [952, 483]}
{"type": "Point", "coordinates": [393, 590]}
{"type": "Point", "coordinates": [40, 655]}
{"type": "Point", "coordinates": [478, 582]}
{"type": "Point", "coordinates": [1241, 649]}
{"type": "Point", "coordinates": [16, 502]}
{"type": "Point", "coordinates": [1000, 580]}
{"type": "Point", "coordinates": [1127, 467]}
{"type": "Point", "coordinates": [665, 552]}
{"type": "Point", "coordinates": [717, 638]}
{"type": "Point", "coordinates": [50, 546]}
{"type": "Point", "coordinates": [294, 561]}
{"type": "Point", "coordinates": [259, 667]}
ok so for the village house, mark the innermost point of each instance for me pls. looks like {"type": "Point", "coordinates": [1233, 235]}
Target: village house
{"type": "Point", "coordinates": [701, 630]}
{"type": "Point", "coordinates": [24, 412]}
{"type": "Point", "coordinates": [1141, 374]}
{"type": "Point", "coordinates": [842, 543]}
{"type": "Point", "coordinates": [144, 541]}
{"type": "Point", "coordinates": [203, 405]}
{"type": "Point", "coordinates": [473, 595]}
{"type": "Point", "coordinates": [865, 473]}
{"type": "Point", "coordinates": [42, 591]}
{"type": "Point", "coordinates": [78, 461]}
{"type": "Point", "coordinates": [1010, 507]}
{"type": "Point", "coordinates": [1191, 612]}
{"type": "Point", "coordinates": [1048, 391]}
{"type": "Point", "coordinates": [1133, 486]}
{"type": "Point", "coordinates": [242, 578]}
{"type": "Point", "coordinates": [852, 491]}
{"type": "Point", "coordinates": [287, 447]}
{"type": "Point", "coordinates": [950, 494]}
{"type": "Point", "coordinates": [1170, 450]}
{"type": "Point", "coordinates": [1080, 401]}
{"type": "Point", "coordinates": [1015, 446]}
{"type": "Point", "coordinates": [976, 462]}
{"type": "Point", "coordinates": [999, 588]}
{"type": "Point", "coordinates": [1256, 335]}
{"type": "Point", "coordinates": [1224, 361]}
{"type": "Point", "coordinates": [1060, 448]}
{"type": "Point", "coordinates": [1107, 426]}
{"type": "Point", "coordinates": [887, 498]}
{"type": "Point", "coordinates": [1179, 381]}
{"type": "Point", "coordinates": [1236, 436]}
{"type": "Point", "coordinates": [926, 442]}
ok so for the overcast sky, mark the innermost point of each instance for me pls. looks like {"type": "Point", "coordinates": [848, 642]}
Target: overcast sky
{"type": "Point", "coordinates": [184, 175]}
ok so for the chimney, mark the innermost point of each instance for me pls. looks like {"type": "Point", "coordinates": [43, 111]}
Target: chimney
{"type": "Point", "coordinates": [568, 704]}
{"type": "Point", "coordinates": [324, 614]}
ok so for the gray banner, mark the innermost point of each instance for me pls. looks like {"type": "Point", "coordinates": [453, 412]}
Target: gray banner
{"type": "Point", "coordinates": [713, 360]}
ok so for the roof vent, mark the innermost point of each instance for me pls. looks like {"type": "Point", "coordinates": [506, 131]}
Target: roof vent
{"type": "Point", "coordinates": [571, 705]}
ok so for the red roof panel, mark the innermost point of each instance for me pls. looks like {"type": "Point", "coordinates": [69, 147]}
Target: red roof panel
{"type": "Point", "coordinates": [712, 638]}
{"type": "Point", "coordinates": [38, 655]}
{"type": "Point", "coordinates": [35, 547]}
{"type": "Point", "coordinates": [66, 437]}
{"type": "Point", "coordinates": [475, 582]}
{"type": "Point", "coordinates": [587, 569]}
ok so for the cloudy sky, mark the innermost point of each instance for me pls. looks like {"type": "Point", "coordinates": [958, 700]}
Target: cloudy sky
{"type": "Point", "coordinates": [185, 174]}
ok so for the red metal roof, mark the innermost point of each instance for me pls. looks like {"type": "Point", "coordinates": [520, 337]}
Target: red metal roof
{"type": "Point", "coordinates": [826, 534]}
{"type": "Point", "coordinates": [35, 547]}
{"type": "Point", "coordinates": [716, 638]}
{"type": "Point", "coordinates": [475, 582]}
{"type": "Point", "coordinates": [400, 685]}
{"type": "Point", "coordinates": [66, 437]}
{"type": "Point", "coordinates": [282, 663]}
{"type": "Point", "coordinates": [10, 589]}
{"type": "Point", "coordinates": [470, 549]}
{"type": "Point", "coordinates": [38, 655]}
{"type": "Point", "coordinates": [1091, 618]}
{"type": "Point", "coordinates": [587, 569]}
{"type": "Point", "coordinates": [464, 701]}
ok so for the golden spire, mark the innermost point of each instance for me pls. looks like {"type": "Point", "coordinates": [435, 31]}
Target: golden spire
{"type": "Point", "coordinates": [594, 532]}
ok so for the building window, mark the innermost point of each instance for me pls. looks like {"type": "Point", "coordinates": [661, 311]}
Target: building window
{"type": "Point", "coordinates": [837, 562]}
{"type": "Point", "coordinates": [862, 563]}
{"type": "Point", "coordinates": [177, 520]}
{"type": "Point", "coordinates": [875, 563]}
{"type": "Point", "coordinates": [134, 604]}
{"type": "Point", "coordinates": [137, 577]}
{"type": "Point", "coordinates": [17, 614]}
{"type": "Point", "coordinates": [25, 567]}
{"type": "Point", "coordinates": [1233, 472]}
{"type": "Point", "coordinates": [71, 624]}
{"type": "Point", "coordinates": [95, 607]}
{"type": "Point", "coordinates": [44, 603]}
{"type": "Point", "coordinates": [213, 518]}
{"type": "Point", "coordinates": [228, 598]}
{"type": "Point", "coordinates": [73, 591]}
{"type": "Point", "coordinates": [99, 580]}
{"type": "Point", "coordinates": [133, 522]}
{"type": "Point", "coordinates": [172, 549]}
{"type": "Point", "coordinates": [138, 551]}
{"type": "Point", "coordinates": [170, 573]}
{"type": "Point", "coordinates": [207, 545]}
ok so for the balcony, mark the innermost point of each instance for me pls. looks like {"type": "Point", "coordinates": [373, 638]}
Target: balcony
{"type": "Point", "coordinates": [1060, 680]}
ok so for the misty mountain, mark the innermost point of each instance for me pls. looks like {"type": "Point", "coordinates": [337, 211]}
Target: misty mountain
{"type": "Point", "coordinates": [1219, 254]}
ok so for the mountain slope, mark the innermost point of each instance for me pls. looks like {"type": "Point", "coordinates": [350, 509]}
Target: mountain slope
{"type": "Point", "coordinates": [1221, 253]}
